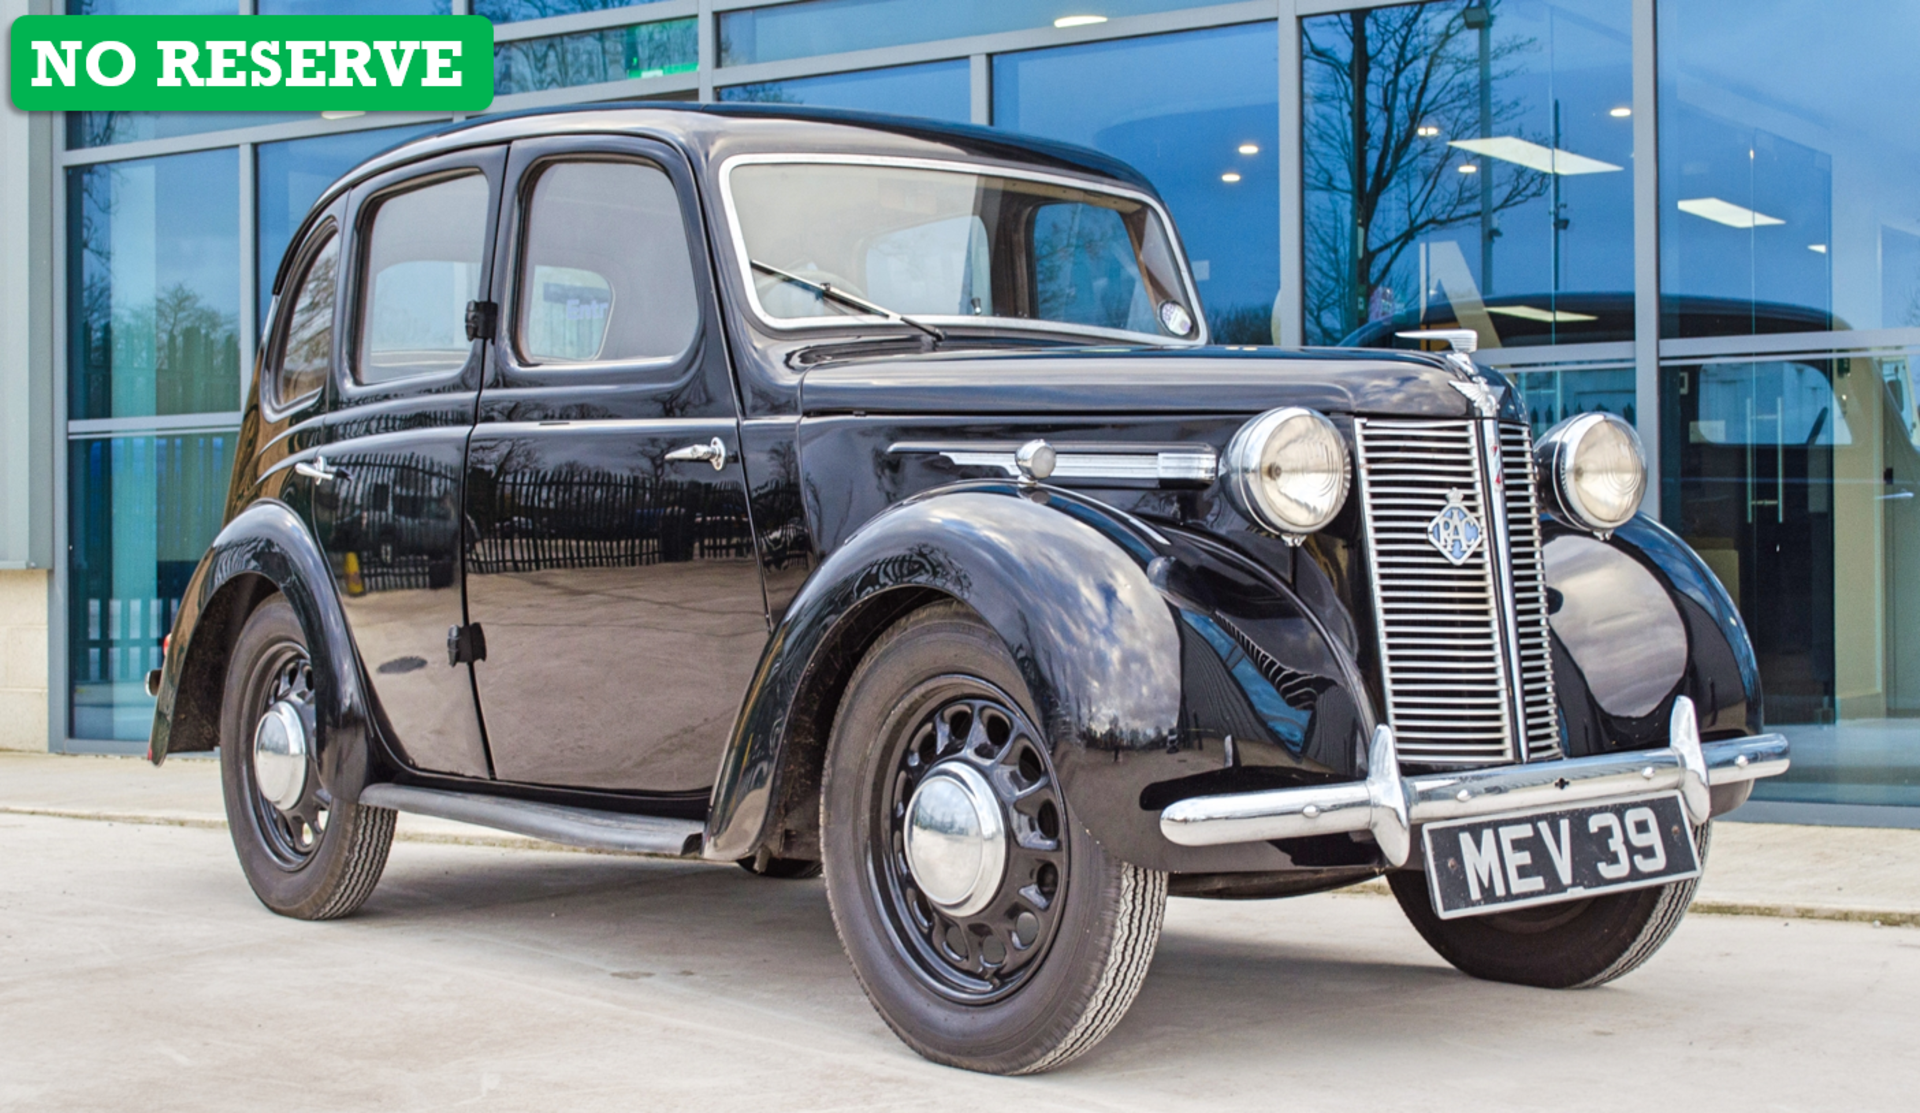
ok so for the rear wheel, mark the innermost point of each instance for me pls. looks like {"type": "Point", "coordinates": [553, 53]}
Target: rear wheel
{"type": "Point", "coordinates": [1575, 945]}
{"type": "Point", "coordinates": [987, 928]}
{"type": "Point", "coordinates": [306, 853]}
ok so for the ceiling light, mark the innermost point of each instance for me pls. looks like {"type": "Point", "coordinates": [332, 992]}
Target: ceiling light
{"type": "Point", "coordinates": [1249, 148]}
{"type": "Point", "coordinates": [1620, 113]}
{"type": "Point", "coordinates": [1079, 20]}
{"type": "Point", "coordinates": [1229, 176]}
{"type": "Point", "coordinates": [1820, 247]}
{"type": "Point", "coordinates": [1531, 313]}
{"type": "Point", "coordinates": [1727, 213]}
{"type": "Point", "coordinates": [1547, 160]}
{"type": "Point", "coordinates": [340, 115]}
{"type": "Point", "coordinates": [1469, 168]}
{"type": "Point", "coordinates": [1426, 131]}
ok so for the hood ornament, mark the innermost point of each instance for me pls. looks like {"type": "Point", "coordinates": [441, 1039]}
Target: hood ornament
{"type": "Point", "coordinates": [1455, 531]}
{"type": "Point", "coordinates": [1486, 397]}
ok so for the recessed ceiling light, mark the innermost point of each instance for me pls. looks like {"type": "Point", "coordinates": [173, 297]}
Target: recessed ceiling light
{"type": "Point", "coordinates": [1532, 313]}
{"type": "Point", "coordinates": [1620, 113]}
{"type": "Point", "coordinates": [1426, 131]}
{"type": "Point", "coordinates": [1079, 20]}
{"type": "Point", "coordinates": [1727, 213]}
{"type": "Point", "coordinates": [1229, 176]}
{"type": "Point", "coordinates": [1820, 247]}
{"type": "Point", "coordinates": [1249, 148]}
{"type": "Point", "coordinates": [1547, 160]}
{"type": "Point", "coordinates": [1469, 168]}
{"type": "Point", "coordinates": [340, 115]}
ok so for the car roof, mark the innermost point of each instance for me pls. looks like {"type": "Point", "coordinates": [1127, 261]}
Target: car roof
{"type": "Point", "coordinates": [709, 129]}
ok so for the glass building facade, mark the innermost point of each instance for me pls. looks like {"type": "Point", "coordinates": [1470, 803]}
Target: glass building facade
{"type": "Point", "coordinates": [1695, 213]}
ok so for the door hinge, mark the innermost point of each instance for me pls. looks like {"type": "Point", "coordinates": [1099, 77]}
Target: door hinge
{"type": "Point", "coordinates": [466, 644]}
{"type": "Point", "coordinates": [482, 316]}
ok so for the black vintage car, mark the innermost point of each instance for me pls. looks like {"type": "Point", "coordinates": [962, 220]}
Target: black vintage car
{"type": "Point", "coordinates": [813, 490]}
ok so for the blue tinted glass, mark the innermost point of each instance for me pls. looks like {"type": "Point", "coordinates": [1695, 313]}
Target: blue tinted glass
{"type": "Point", "coordinates": [1086, 270]}
{"type": "Point", "coordinates": [151, 7]}
{"type": "Point", "coordinates": [142, 511]}
{"type": "Point", "coordinates": [941, 90]}
{"type": "Point", "coordinates": [153, 285]}
{"type": "Point", "coordinates": [1788, 156]}
{"type": "Point", "coordinates": [98, 129]}
{"type": "Point", "coordinates": [833, 26]}
{"type": "Point", "coordinates": [1179, 108]}
{"type": "Point", "coordinates": [592, 57]}
{"type": "Point", "coordinates": [508, 11]}
{"type": "Point", "coordinates": [1493, 189]}
{"type": "Point", "coordinates": [292, 175]}
{"type": "Point", "coordinates": [351, 7]}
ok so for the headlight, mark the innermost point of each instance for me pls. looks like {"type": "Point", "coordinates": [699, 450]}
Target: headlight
{"type": "Point", "coordinates": [1286, 470]}
{"type": "Point", "coordinates": [1593, 470]}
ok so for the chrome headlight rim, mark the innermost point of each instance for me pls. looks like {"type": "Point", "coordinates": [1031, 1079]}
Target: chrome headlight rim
{"type": "Point", "coordinates": [1559, 452]}
{"type": "Point", "coordinates": [1241, 470]}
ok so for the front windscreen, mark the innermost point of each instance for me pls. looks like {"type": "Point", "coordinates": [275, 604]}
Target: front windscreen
{"type": "Point", "coordinates": [948, 244]}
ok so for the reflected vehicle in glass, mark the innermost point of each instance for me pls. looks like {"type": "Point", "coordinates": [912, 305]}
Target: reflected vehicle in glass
{"type": "Point", "coordinates": [840, 494]}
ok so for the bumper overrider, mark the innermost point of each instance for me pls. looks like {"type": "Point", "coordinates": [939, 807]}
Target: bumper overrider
{"type": "Point", "coordinates": [1390, 807]}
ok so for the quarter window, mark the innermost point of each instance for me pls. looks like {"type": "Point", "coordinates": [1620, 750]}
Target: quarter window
{"type": "Point", "coordinates": [308, 350]}
{"type": "Point", "coordinates": [423, 267]}
{"type": "Point", "coordinates": [607, 275]}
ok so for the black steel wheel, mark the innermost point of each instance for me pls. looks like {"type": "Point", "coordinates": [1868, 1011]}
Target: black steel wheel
{"type": "Point", "coordinates": [987, 928]}
{"type": "Point", "coordinates": [1578, 944]}
{"type": "Point", "coordinates": [306, 852]}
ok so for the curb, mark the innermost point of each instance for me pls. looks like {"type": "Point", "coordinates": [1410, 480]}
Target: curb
{"type": "Point", "coordinates": [1372, 888]}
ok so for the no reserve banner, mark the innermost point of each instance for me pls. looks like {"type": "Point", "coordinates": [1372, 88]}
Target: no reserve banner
{"type": "Point", "coordinates": [254, 63]}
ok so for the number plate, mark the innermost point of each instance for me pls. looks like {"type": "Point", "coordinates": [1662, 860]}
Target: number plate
{"type": "Point", "coordinates": [1476, 866]}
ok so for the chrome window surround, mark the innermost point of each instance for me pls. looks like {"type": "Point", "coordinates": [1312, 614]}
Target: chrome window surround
{"type": "Point", "coordinates": [778, 324]}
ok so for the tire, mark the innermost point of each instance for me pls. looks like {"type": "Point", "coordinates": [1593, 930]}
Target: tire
{"type": "Point", "coordinates": [1577, 945]}
{"type": "Point", "coordinates": [318, 858]}
{"type": "Point", "coordinates": [1057, 954]}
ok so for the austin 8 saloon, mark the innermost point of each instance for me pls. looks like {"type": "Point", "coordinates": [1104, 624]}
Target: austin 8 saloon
{"type": "Point", "coordinates": [833, 493]}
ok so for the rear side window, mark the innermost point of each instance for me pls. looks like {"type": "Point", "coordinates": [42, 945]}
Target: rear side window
{"type": "Point", "coordinates": [307, 352]}
{"type": "Point", "coordinates": [423, 267]}
{"type": "Point", "coordinates": [606, 275]}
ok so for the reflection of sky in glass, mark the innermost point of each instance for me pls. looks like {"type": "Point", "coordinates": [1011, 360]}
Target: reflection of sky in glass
{"type": "Point", "coordinates": [1801, 117]}
{"type": "Point", "coordinates": [940, 90]}
{"type": "Point", "coordinates": [1452, 226]}
{"type": "Point", "coordinates": [1178, 108]}
{"type": "Point", "coordinates": [832, 26]}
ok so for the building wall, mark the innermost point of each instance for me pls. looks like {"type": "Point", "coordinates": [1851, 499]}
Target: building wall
{"type": "Point", "coordinates": [23, 659]}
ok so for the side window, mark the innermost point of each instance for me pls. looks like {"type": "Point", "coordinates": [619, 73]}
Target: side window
{"type": "Point", "coordinates": [606, 274]}
{"type": "Point", "coordinates": [1086, 270]}
{"type": "Point", "coordinates": [423, 267]}
{"type": "Point", "coordinates": [306, 352]}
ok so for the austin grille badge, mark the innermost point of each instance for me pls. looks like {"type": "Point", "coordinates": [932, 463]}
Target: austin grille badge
{"type": "Point", "coordinates": [1455, 531]}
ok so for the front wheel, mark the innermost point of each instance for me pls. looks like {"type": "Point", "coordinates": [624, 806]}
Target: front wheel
{"type": "Point", "coordinates": [1574, 945]}
{"type": "Point", "coordinates": [990, 931]}
{"type": "Point", "coordinates": [306, 853]}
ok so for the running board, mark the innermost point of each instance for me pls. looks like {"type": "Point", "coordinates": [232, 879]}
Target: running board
{"type": "Point", "coordinates": [585, 828]}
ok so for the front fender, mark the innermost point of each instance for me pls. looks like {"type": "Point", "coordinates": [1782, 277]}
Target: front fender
{"type": "Point", "coordinates": [1638, 620]}
{"type": "Point", "coordinates": [265, 548]}
{"type": "Point", "coordinates": [1105, 617]}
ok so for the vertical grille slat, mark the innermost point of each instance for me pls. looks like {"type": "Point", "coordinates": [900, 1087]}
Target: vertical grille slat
{"type": "Point", "coordinates": [1443, 651]}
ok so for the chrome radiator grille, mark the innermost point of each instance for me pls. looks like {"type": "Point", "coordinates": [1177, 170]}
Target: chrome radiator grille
{"type": "Point", "coordinates": [1455, 638]}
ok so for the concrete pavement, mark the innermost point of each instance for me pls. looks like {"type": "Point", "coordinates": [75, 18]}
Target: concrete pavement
{"type": "Point", "coordinates": [138, 971]}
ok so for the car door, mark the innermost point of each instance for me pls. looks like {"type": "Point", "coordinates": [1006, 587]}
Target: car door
{"type": "Point", "coordinates": [610, 560]}
{"type": "Point", "coordinates": [387, 495]}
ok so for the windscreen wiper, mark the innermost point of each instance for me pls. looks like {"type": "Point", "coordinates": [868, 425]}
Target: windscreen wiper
{"type": "Point", "coordinates": [827, 291]}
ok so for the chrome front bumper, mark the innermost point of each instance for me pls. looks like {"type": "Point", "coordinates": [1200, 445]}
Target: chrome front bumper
{"type": "Point", "coordinates": [1390, 806]}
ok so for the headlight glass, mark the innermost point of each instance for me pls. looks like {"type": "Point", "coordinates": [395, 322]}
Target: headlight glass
{"type": "Point", "coordinates": [1287, 471]}
{"type": "Point", "coordinates": [1598, 470]}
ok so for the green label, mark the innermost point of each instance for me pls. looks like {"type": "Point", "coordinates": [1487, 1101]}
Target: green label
{"type": "Point", "coordinates": [252, 63]}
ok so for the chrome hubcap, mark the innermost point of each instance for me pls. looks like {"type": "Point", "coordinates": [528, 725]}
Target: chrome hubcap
{"type": "Point", "coordinates": [280, 755]}
{"type": "Point", "coordinates": [956, 839]}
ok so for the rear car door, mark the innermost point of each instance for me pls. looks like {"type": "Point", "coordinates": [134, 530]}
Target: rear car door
{"type": "Point", "coordinates": [387, 495]}
{"type": "Point", "coordinates": [610, 559]}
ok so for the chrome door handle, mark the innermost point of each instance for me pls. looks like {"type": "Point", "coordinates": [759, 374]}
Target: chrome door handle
{"type": "Point", "coordinates": [318, 471]}
{"type": "Point", "coordinates": [713, 452]}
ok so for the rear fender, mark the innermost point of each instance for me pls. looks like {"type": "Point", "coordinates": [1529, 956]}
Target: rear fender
{"type": "Point", "coordinates": [265, 548]}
